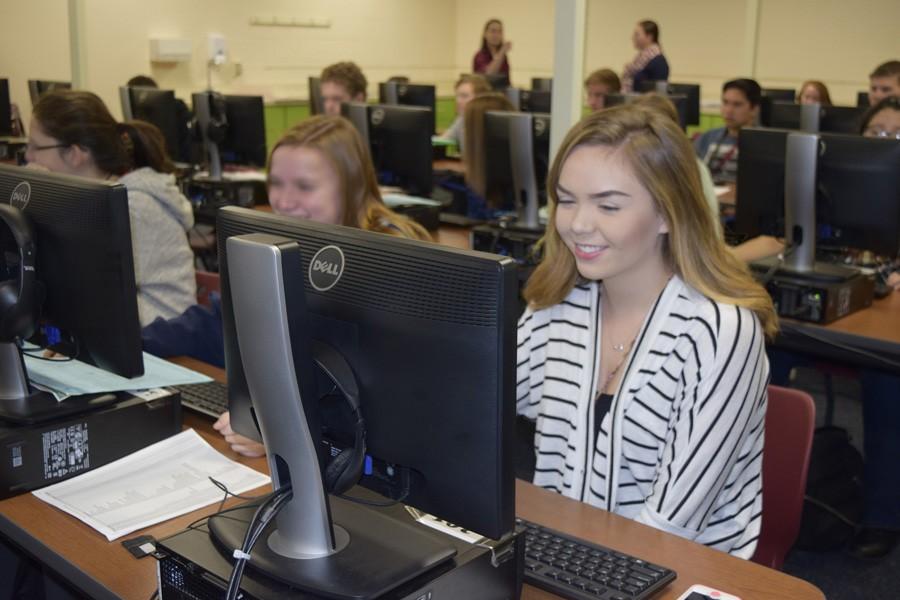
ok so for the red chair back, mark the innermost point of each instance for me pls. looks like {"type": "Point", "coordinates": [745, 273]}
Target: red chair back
{"type": "Point", "coordinates": [206, 284]}
{"type": "Point", "coordinates": [790, 423]}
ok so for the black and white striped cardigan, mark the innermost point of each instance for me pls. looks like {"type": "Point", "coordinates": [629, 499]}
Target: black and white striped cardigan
{"type": "Point", "coordinates": [681, 447]}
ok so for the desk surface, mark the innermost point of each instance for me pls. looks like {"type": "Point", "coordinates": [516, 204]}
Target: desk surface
{"type": "Point", "coordinates": [106, 570]}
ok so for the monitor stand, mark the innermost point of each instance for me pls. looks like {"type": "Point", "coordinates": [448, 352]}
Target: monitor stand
{"type": "Point", "coordinates": [319, 543]}
{"type": "Point", "coordinates": [21, 403]}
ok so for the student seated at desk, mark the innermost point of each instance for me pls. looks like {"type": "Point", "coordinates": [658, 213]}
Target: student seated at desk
{"type": "Point", "coordinates": [72, 132]}
{"type": "Point", "coordinates": [884, 81]}
{"type": "Point", "coordinates": [641, 355]}
{"type": "Point", "coordinates": [599, 85]}
{"type": "Point", "coordinates": [467, 87]}
{"type": "Point", "coordinates": [814, 92]}
{"type": "Point", "coordinates": [482, 203]}
{"type": "Point", "coordinates": [718, 147]}
{"type": "Point", "coordinates": [342, 82]}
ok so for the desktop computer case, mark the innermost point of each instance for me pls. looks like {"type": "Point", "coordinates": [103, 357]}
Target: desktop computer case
{"type": "Point", "coordinates": [37, 455]}
{"type": "Point", "coordinates": [192, 568]}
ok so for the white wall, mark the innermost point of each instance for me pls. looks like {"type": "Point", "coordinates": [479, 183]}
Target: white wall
{"type": "Point", "coordinates": [34, 44]}
{"type": "Point", "coordinates": [780, 42]}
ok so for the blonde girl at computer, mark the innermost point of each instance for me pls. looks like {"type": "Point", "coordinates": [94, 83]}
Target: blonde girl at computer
{"type": "Point", "coordinates": [73, 132]}
{"type": "Point", "coordinates": [320, 170]}
{"type": "Point", "coordinates": [642, 351]}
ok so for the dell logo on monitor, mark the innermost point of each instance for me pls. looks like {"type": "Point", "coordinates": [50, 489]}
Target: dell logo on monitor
{"type": "Point", "coordinates": [20, 195]}
{"type": "Point", "coordinates": [326, 268]}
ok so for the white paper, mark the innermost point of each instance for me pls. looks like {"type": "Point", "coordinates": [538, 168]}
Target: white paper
{"type": "Point", "coordinates": [162, 481]}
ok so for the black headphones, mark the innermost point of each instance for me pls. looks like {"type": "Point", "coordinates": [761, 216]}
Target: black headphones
{"type": "Point", "coordinates": [345, 469]}
{"type": "Point", "coordinates": [18, 315]}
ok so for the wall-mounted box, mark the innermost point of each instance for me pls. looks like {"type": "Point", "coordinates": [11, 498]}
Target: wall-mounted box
{"type": "Point", "coordinates": [170, 50]}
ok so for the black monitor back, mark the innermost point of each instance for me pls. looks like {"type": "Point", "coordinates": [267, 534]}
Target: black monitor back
{"type": "Point", "coordinates": [316, 105]}
{"type": "Point", "coordinates": [857, 189]}
{"type": "Point", "coordinates": [39, 87]}
{"type": "Point", "coordinates": [85, 264]}
{"type": "Point", "coordinates": [399, 139]}
{"type": "Point", "coordinates": [780, 94]}
{"type": "Point", "coordinates": [535, 101]}
{"type": "Point", "coordinates": [245, 139]}
{"type": "Point", "coordinates": [498, 160]}
{"type": "Point", "coordinates": [543, 84]}
{"type": "Point", "coordinates": [691, 91]}
{"type": "Point", "coordinates": [841, 119]}
{"type": "Point", "coordinates": [6, 125]}
{"type": "Point", "coordinates": [498, 81]}
{"type": "Point", "coordinates": [159, 108]}
{"type": "Point", "coordinates": [408, 94]}
{"type": "Point", "coordinates": [862, 99]}
{"type": "Point", "coordinates": [429, 332]}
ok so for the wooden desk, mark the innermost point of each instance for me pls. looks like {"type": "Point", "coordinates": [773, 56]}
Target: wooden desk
{"type": "Point", "coordinates": [104, 569]}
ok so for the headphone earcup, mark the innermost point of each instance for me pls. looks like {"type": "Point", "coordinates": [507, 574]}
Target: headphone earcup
{"type": "Point", "coordinates": [343, 471]}
{"type": "Point", "coordinates": [14, 317]}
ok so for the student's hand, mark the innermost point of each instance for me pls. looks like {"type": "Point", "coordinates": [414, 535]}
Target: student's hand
{"type": "Point", "coordinates": [506, 47]}
{"type": "Point", "coordinates": [239, 443]}
{"type": "Point", "coordinates": [893, 280]}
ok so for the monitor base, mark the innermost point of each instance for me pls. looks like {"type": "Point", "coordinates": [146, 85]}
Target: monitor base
{"type": "Point", "coordinates": [381, 554]}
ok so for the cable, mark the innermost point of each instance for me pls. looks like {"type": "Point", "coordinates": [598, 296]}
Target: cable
{"type": "Point", "coordinates": [375, 503]}
{"type": "Point", "coordinates": [225, 489]}
{"type": "Point", "coordinates": [261, 518]}
{"type": "Point", "coordinates": [767, 276]}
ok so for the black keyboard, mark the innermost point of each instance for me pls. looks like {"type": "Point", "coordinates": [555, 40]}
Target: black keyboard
{"type": "Point", "coordinates": [210, 398]}
{"type": "Point", "coordinates": [576, 569]}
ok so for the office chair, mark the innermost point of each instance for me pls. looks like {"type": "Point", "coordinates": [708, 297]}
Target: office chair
{"type": "Point", "coordinates": [207, 283]}
{"type": "Point", "coordinates": [790, 423]}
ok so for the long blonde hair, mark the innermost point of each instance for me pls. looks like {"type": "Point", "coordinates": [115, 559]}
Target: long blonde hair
{"type": "Point", "coordinates": [473, 144]}
{"type": "Point", "coordinates": [339, 142]}
{"type": "Point", "coordinates": [662, 159]}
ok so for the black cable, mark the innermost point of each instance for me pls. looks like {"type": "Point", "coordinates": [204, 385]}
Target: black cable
{"type": "Point", "coordinates": [261, 518]}
{"type": "Point", "coordinates": [375, 503]}
{"type": "Point", "coordinates": [228, 492]}
{"type": "Point", "coordinates": [767, 276]}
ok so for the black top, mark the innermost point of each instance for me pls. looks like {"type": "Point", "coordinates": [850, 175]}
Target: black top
{"type": "Point", "coordinates": [601, 407]}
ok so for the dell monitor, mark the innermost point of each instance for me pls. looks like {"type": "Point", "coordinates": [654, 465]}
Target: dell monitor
{"type": "Point", "coordinates": [394, 315]}
{"type": "Point", "coordinates": [690, 90]}
{"type": "Point", "coordinates": [159, 108]}
{"type": "Point", "coordinates": [779, 94]}
{"type": "Point", "coordinates": [498, 81]}
{"type": "Point", "coordinates": [6, 124]}
{"type": "Point", "coordinates": [245, 136]}
{"type": "Point", "coordinates": [517, 151]}
{"type": "Point", "coordinates": [535, 101]}
{"type": "Point", "coordinates": [399, 139]}
{"type": "Point", "coordinates": [679, 101]}
{"type": "Point", "coordinates": [316, 104]}
{"type": "Point", "coordinates": [841, 119]}
{"type": "Point", "coordinates": [542, 84]}
{"type": "Point", "coordinates": [407, 94]}
{"type": "Point", "coordinates": [39, 87]}
{"type": "Point", "coordinates": [85, 272]}
{"type": "Point", "coordinates": [857, 189]}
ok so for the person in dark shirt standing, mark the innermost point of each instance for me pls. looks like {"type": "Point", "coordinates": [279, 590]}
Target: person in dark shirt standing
{"type": "Point", "coordinates": [492, 59]}
{"type": "Point", "coordinates": [650, 64]}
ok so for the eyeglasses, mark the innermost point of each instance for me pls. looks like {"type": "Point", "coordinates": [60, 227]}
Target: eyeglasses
{"type": "Point", "coordinates": [32, 147]}
{"type": "Point", "coordinates": [882, 133]}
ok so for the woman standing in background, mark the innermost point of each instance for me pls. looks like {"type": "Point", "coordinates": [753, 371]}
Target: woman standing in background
{"type": "Point", "coordinates": [650, 64]}
{"type": "Point", "coordinates": [491, 58]}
